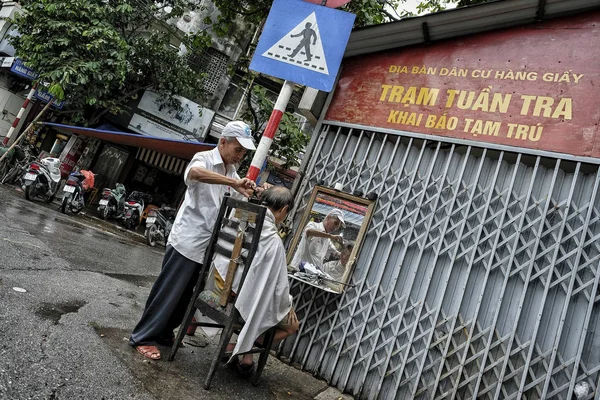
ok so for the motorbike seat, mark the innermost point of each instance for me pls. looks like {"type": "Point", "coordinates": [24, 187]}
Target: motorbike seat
{"type": "Point", "coordinates": [53, 165]}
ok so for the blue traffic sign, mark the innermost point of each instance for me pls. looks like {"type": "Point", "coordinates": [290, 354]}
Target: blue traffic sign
{"type": "Point", "coordinates": [303, 43]}
{"type": "Point", "coordinates": [45, 96]}
{"type": "Point", "coordinates": [20, 69]}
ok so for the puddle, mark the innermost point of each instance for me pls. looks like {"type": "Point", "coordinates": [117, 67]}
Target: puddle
{"type": "Point", "coordinates": [53, 312]}
{"type": "Point", "coordinates": [138, 280]}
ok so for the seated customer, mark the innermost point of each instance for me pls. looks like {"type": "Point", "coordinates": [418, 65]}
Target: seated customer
{"type": "Point", "coordinates": [264, 300]}
{"type": "Point", "coordinates": [337, 268]}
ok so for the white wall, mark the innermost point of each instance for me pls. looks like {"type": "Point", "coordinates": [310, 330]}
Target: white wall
{"type": "Point", "coordinates": [12, 104]}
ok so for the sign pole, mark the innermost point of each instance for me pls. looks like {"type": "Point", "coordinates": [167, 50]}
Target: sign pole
{"type": "Point", "coordinates": [19, 115]}
{"type": "Point", "coordinates": [267, 138]}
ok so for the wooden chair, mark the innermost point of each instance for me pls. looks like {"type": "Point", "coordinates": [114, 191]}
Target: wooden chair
{"type": "Point", "coordinates": [238, 227]}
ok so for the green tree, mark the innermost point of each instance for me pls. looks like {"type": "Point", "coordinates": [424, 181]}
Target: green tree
{"type": "Point", "coordinates": [97, 54]}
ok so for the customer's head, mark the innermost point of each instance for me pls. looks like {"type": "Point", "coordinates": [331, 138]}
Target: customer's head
{"type": "Point", "coordinates": [346, 251]}
{"type": "Point", "coordinates": [279, 200]}
{"type": "Point", "coordinates": [236, 139]}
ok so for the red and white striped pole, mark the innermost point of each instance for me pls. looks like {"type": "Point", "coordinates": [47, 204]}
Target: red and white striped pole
{"type": "Point", "coordinates": [19, 115]}
{"type": "Point", "coordinates": [267, 138]}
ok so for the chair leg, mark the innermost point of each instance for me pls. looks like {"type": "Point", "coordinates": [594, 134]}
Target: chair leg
{"type": "Point", "coordinates": [223, 342]}
{"type": "Point", "coordinates": [181, 332]}
{"type": "Point", "coordinates": [264, 356]}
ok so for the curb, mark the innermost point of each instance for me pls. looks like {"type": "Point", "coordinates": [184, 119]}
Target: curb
{"type": "Point", "coordinates": [84, 213]}
{"type": "Point", "coordinates": [120, 228]}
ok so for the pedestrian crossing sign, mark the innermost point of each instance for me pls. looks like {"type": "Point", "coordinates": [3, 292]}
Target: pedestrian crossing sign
{"type": "Point", "coordinates": [303, 42]}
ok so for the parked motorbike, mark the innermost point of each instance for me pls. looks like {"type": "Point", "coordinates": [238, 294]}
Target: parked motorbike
{"type": "Point", "coordinates": [77, 183]}
{"type": "Point", "coordinates": [134, 207]}
{"type": "Point", "coordinates": [15, 172]}
{"type": "Point", "coordinates": [42, 179]}
{"type": "Point", "coordinates": [158, 225]}
{"type": "Point", "coordinates": [7, 160]}
{"type": "Point", "coordinates": [112, 202]}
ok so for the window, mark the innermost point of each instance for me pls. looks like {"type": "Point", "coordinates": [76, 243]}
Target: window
{"type": "Point", "coordinates": [213, 63]}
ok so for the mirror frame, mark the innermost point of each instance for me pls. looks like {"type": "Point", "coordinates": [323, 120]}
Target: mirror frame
{"type": "Point", "coordinates": [358, 242]}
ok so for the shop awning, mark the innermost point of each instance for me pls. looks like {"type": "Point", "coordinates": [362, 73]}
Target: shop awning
{"type": "Point", "coordinates": [176, 148]}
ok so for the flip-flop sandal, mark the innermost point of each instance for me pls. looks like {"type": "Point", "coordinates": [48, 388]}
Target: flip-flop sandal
{"type": "Point", "coordinates": [245, 369]}
{"type": "Point", "coordinates": [150, 352]}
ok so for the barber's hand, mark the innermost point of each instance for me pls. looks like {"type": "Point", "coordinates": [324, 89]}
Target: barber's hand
{"type": "Point", "coordinates": [244, 186]}
{"type": "Point", "coordinates": [338, 238]}
{"type": "Point", "coordinates": [262, 188]}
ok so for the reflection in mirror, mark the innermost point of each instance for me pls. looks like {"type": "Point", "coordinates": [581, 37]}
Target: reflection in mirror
{"type": "Point", "coordinates": [328, 239]}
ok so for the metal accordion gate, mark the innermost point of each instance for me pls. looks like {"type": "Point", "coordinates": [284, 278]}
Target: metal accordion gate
{"type": "Point", "coordinates": [478, 277]}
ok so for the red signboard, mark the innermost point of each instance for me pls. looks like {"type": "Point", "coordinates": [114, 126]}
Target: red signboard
{"type": "Point", "coordinates": [72, 156]}
{"type": "Point", "coordinates": [536, 87]}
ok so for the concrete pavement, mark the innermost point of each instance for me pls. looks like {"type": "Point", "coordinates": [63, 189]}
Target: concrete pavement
{"type": "Point", "coordinates": [85, 285]}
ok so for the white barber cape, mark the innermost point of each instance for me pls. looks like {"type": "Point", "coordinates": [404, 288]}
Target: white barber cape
{"type": "Point", "coordinates": [265, 296]}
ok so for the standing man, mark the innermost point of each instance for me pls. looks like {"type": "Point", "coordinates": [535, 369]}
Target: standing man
{"type": "Point", "coordinates": [316, 237]}
{"type": "Point", "coordinates": [208, 177]}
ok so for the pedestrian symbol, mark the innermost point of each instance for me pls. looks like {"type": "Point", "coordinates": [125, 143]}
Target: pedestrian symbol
{"type": "Point", "coordinates": [303, 43]}
{"type": "Point", "coordinates": [301, 47]}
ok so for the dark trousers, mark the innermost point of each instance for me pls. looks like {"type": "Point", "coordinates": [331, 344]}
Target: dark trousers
{"type": "Point", "coordinates": [168, 300]}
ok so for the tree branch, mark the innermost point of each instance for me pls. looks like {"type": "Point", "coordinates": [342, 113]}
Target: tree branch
{"type": "Point", "coordinates": [390, 16]}
{"type": "Point", "coordinates": [249, 104]}
{"type": "Point", "coordinates": [246, 13]}
{"type": "Point", "coordinates": [96, 118]}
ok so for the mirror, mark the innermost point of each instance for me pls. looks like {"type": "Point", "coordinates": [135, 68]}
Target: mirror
{"type": "Point", "coordinates": [328, 240]}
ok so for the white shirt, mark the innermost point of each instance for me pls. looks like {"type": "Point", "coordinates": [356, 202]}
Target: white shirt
{"type": "Point", "coordinates": [197, 215]}
{"type": "Point", "coordinates": [312, 249]}
{"type": "Point", "coordinates": [334, 269]}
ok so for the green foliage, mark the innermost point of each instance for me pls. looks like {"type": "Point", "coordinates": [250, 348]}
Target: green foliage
{"type": "Point", "coordinates": [368, 12]}
{"type": "Point", "coordinates": [96, 54]}
{"type": "Point", "coordinates": [290, 139]}
{"type": "Point", "coordinates": [430, 6]}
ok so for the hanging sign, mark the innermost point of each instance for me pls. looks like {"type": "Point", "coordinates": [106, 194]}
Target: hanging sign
{"type": "Point", "coordinates": [304, 43]}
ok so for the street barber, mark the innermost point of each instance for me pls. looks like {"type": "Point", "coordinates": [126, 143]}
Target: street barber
{"type": "Point", "coordinates": [208, 177]}
{"type": "Point", "coordinates": [317, 237]}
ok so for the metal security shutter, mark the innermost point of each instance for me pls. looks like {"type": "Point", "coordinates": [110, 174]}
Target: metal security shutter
{"type": "Point", "coordinates": [174, 165]}
{"type": "Point", "coordinates": [478, 277]}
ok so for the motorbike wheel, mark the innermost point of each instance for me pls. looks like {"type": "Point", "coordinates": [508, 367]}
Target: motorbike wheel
{"type": "Point", "coordinates": [75, 209]}
{"type": "Point", "coordinates": [105, 213]}
{"type": "Point", "coordinates": [75, 205]}
{"type": "Point", "coordinates": [30, 192]}
{"type": "Point", "coordinates": [3, 167]}
{"type": "Point", "coordinates": [10, 176]}
{"type": "Point", "coordinates": [150, 236]}
{"type": "Point", "coordinates": [63, 206]}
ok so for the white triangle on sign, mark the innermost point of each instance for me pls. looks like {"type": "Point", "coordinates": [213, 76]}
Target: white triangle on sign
{"type": "Point", "coordinates": [294, 46]}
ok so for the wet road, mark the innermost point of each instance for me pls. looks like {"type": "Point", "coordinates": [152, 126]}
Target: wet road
{"type": "Point", "coordinates": [71, 290]}
{"type": "Point", "coordinates": [86, 244]}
